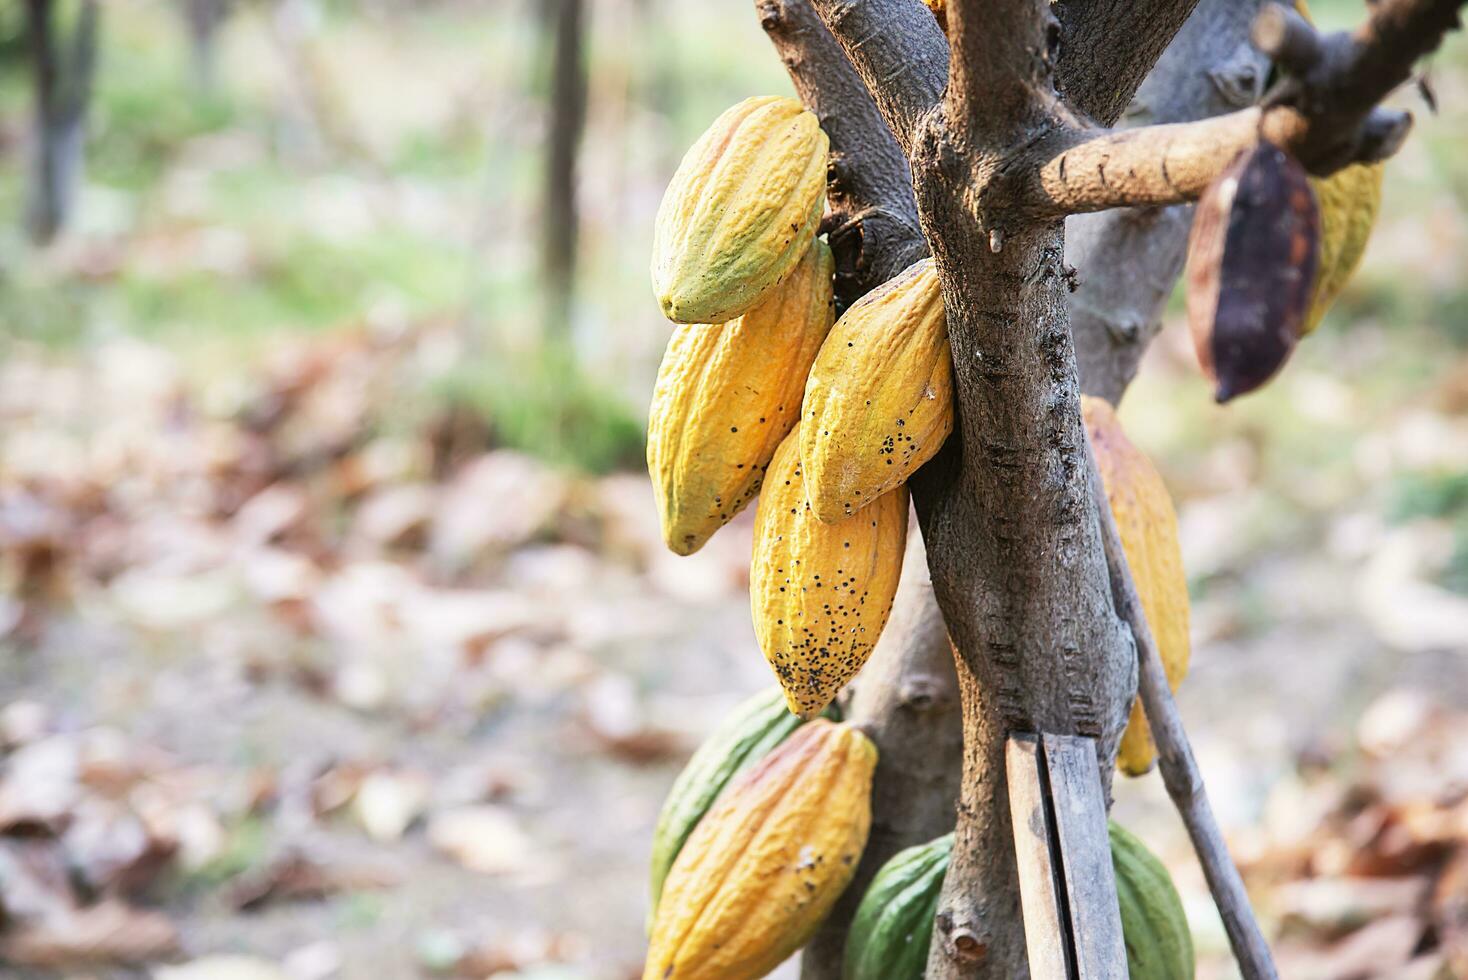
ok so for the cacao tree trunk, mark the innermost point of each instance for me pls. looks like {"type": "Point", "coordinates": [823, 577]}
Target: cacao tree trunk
{"type": "Point", "coordinates": [1127, 263]}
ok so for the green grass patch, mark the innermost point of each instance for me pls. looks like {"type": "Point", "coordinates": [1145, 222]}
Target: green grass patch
{"type": "Point", "coordinates": [544, 403]}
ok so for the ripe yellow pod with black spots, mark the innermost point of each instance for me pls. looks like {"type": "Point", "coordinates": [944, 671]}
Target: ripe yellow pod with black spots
{"type": "Point", "coordinates": [820, 593]}
{"type": "Point", "coordinates": [764, 867]}
{"type": "Point", "coordinates": [879, 399]}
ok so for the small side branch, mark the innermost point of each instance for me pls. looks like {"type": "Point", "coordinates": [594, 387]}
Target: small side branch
{"type": "Point", "coordinates": [899, 52]}
{"type": "Point", "coordinates": [874, 224]}
{"type": "Point", "coordinates": [1326, 116]}
{"type": "Point", "coordinates": [1175, 757]}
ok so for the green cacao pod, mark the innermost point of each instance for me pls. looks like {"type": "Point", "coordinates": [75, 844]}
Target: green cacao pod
{"type": "Point", "coordinates": [893, 926]}
{"type": "Point", "coordinates": [749, 734]}
{"type": "Point", "coordinates": [1159, 945]}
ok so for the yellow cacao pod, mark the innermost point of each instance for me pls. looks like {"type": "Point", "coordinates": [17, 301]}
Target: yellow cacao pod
{"type": "Point", "coordinates": [741, 210]}
{"type": "Point", "coordinates": [820, 593]}
{"type": "Point", "coordinates": [726, 396]}
{"type": "Point", "coordinates": [764, 866]}
{"type": "Point", "coordinates": [1349, 201]}
{"type": "Point", "coordinates": [1148, 526]}
{"type": "Point", "coordinates": [879, 400]}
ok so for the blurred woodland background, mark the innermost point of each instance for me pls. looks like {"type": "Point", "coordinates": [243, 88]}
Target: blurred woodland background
{"type": "Point", "coordinates": [336, 633]}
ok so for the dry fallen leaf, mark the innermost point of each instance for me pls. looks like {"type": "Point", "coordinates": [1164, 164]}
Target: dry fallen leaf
{"type": "Point", "coordinates": [483, 838]}
{"type": "Point", "coordinates": [222, 968]}
{"type": "Point", "coordinates": [296, 877]}
{"type": "Point", "coordinates": [388, 801]}
{"type": "Point", "coordinates": [108, 932]}
{"type": "Point", "coordinates": [617, 722]}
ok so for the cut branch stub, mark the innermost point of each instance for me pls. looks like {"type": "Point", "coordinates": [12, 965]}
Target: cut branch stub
{"type": "Point", "coordinates": [1251, 268]}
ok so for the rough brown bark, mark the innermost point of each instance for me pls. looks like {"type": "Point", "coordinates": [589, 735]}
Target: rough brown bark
{"type": "Point", "coordinates": [1107, 47]}
{"type": "Point", "coordinates": [905, 65]}
{"type": "Point", "coordinates": [1016, 564]}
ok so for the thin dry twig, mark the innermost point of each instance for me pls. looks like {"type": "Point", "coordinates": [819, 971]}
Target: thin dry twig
{"type": "Point", "coordinates": [1175, 756]}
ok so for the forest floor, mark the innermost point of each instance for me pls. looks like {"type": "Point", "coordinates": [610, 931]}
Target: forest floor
{"type": "Point", "coordinates": [291, 678]}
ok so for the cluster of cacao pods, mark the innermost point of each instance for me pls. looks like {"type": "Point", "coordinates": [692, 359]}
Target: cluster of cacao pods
{"type": "Point", "coordinates": [1270, 250]}
{"type": "Point", "coordinates": [761, 395]}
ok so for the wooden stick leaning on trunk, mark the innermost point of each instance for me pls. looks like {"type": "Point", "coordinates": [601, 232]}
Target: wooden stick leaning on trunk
{"type": "Point", "coordinates": [1175, 756]}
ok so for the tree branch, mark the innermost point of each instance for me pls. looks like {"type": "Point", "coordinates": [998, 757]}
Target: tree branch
{"type": "Point", "coordinates": [1175, 756]}
{"type": "Point", "coordinates": [1107, 47]}
{"type": "Point", "coordinates": [998, 79]}
{"type": "Point", "coordinates": [899, 52]}
{"type": "Point", "coordinates": [1324, 117]}
{"type": "Point", "coordinates": [873, 229]}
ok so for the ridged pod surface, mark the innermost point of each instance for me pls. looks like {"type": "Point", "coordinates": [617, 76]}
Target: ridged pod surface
{"type": "Point", "coordinates": [1159, 945]}
{"type": "Point", "coordinates": [749, 734]}
{"type": "Point", "coordinates": [1349, 202]}
{"type": "Point", "coordinates": [879, 399]}
{"type": "Point", "coordinates": [740, 211]}
{"type": "Point", "coordinates": [726, 396]}
{"type": "Point", "coordinates": [765, 865]}
{"type": "Point", "coordinates": [893, 926]}
{"type": "Point", "coordinates": [820, 593]}
{"type": "Point", "coordinates": [1148, 526]}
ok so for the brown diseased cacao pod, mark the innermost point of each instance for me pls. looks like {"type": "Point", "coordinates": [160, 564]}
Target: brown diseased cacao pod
{"type": "Point", "coordinates": [1252, 259]}
{"type": "Point", "coordinates": [725, 397]}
